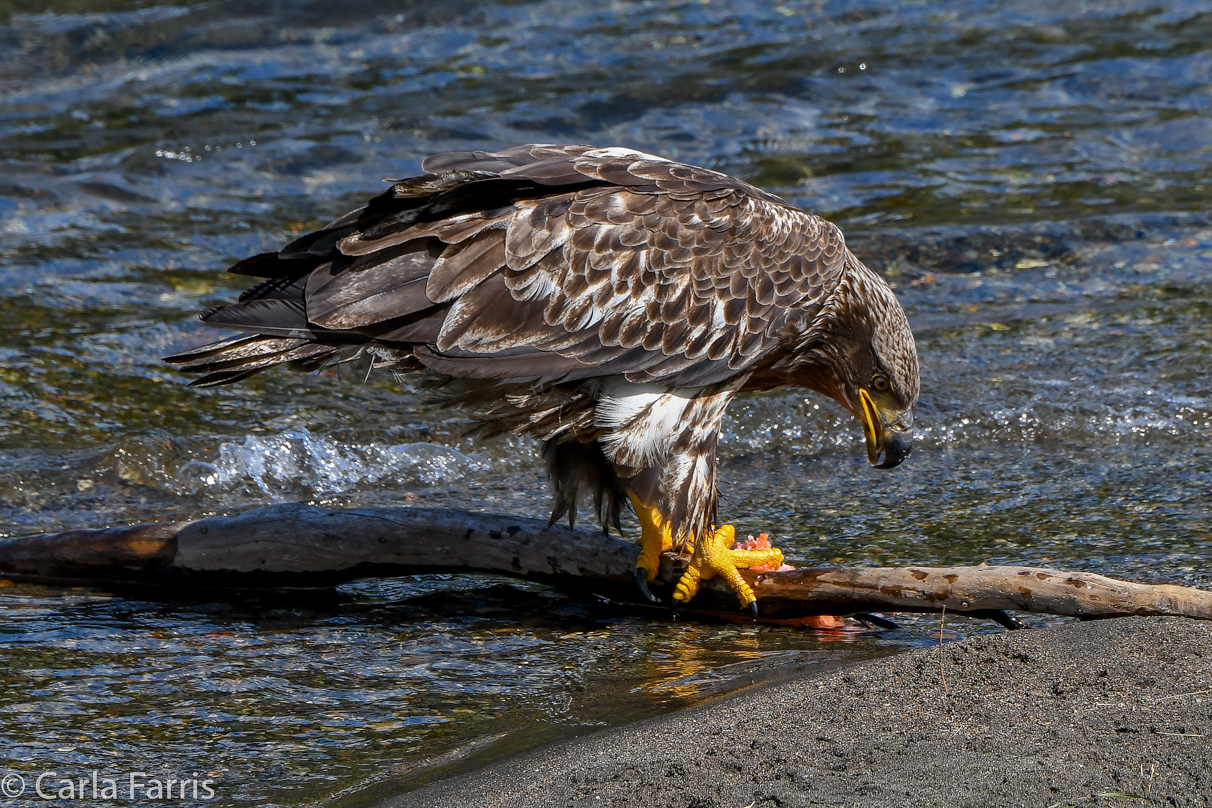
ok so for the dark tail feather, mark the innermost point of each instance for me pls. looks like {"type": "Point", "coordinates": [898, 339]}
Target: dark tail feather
{"type": "Point", "coordinates": [240, 357]}
{"type": "Point", "coordinates": [257, 355]}
{"type": "Point", "coordinates": [270, 265]}
{"type": "Point", "coordinates": [223, 377]}
{"type": "Point", "coordinates": [281, 335]}
{"type": "Point", "coordinates": [211, 349]}
{"type": "Point", "coordinates": [280, 318]}
{"type": "Point", "coordinates": [275, 289]}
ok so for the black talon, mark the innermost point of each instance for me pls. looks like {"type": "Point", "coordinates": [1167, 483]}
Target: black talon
{"type": "Point", "coordinates": [1004, 619]}
{"type": "Point", "coordinates": [753, 613]}
{"type": "Point", "coordinates": [879, 621]}
{"type": "Point", "coordinates": [641, 578]}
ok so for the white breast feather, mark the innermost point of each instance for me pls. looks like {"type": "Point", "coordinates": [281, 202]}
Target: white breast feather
{"type": "Point", "coordinates": [642, 419]}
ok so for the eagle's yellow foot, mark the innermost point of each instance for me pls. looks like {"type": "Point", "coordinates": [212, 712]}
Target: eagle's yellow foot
{"type": "Point", "coordinates": [656, 536]}
{"type": "Point", "coordinates": [713, 555]}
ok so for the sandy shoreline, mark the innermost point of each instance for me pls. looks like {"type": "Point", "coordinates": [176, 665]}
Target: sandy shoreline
{"type": "Point", "coordinates": [1117, 712]}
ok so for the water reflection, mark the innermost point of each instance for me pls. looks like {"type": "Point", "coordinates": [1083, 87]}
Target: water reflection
{"type": "Point", "coordinates": [400, 671]}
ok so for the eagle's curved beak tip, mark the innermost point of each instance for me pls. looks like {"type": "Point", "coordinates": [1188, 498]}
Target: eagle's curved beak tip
{"type": "Point", "coordinates": [897, 446]}
{"type": "Point", "coordinates": [887, 443]}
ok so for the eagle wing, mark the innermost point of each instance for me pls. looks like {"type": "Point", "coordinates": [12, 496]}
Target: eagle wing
{"type": "Point", "coordinates": [542, 263]}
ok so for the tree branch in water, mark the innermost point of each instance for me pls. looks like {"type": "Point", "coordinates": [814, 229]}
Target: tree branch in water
{"type": "Point", "coordinates": [294, 546]}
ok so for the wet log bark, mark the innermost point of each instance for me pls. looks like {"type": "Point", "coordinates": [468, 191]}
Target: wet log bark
{"type": "Point", "coordinates": [296, 546]}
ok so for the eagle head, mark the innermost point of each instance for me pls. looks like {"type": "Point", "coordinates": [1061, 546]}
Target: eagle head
{"type": "Point", "coordinates": [860, 352]}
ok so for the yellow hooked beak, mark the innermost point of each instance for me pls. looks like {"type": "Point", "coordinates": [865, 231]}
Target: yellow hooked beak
{"type": "Point", "coordinates": [888, 443]}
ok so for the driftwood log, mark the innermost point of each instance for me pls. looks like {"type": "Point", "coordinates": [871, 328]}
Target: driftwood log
{"type": "Point", "coordinates": [295, 546]}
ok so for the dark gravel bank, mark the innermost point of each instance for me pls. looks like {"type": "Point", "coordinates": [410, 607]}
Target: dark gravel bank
{"type": "Point", "coordinates": [1117, 712]}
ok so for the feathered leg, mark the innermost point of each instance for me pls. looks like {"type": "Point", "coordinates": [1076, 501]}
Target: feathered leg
{"type": "Point", "coordinates": [663, 444]}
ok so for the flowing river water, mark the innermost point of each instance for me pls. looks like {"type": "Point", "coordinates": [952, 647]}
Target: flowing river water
{"type": "Point", "coordinates": [1033, 178]}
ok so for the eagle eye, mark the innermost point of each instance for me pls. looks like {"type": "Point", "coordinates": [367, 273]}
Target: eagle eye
{"type": "Point", "coordinates": [881, 384]}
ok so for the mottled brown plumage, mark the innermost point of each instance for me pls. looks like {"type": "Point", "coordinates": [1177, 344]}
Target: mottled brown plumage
{"type": "Point", "coordinates": [605, 301]}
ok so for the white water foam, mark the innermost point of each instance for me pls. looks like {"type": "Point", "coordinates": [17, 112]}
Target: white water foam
{"type": "Point", "coordinates": [296, 461]}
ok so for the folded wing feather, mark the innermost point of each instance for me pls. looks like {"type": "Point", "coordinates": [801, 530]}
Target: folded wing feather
{"type": "Point", "coordinates": [578, 262]}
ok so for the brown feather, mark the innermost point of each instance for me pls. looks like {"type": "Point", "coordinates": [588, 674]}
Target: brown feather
{"type": "Point", "coordinates": [463, 266]}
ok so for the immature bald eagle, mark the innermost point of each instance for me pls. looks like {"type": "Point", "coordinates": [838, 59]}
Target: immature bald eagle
{"type": "Point", "coordinates": [608, 302]}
